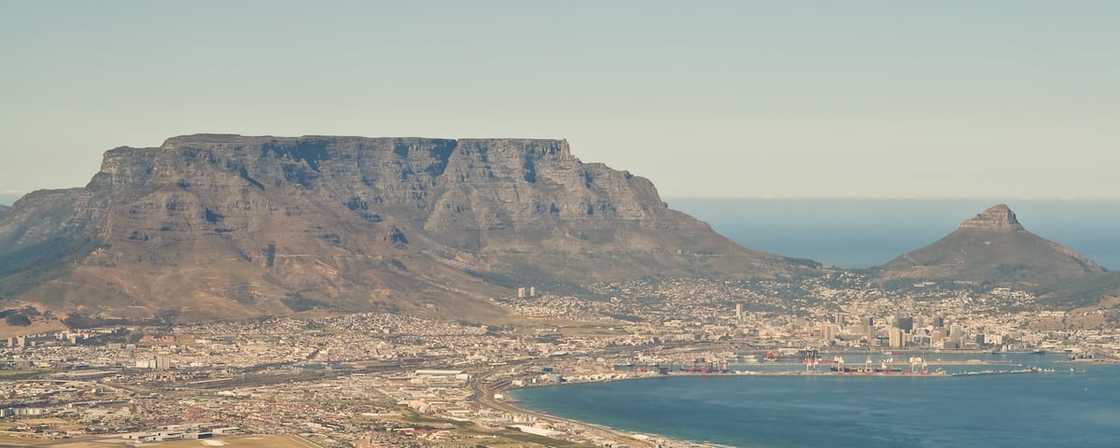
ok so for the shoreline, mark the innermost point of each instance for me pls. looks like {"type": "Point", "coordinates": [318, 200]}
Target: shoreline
{"type": "Point", "coordinates": [644, 439]}
{"type": "Point", "coordinates": [654, 439]}
{"type": "Point", "coordinates": [641, 437]}
{"type": "Point", "coordinates": [508, 402]}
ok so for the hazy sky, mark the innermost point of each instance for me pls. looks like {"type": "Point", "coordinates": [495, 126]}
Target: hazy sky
{"type": "Point", "coordinates": [775, 98]}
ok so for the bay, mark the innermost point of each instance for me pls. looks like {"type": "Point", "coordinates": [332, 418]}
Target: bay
{"type": "Point", "coordinates": [1060, 409]}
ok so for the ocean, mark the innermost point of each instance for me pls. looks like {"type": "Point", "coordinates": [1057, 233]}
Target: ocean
{"type": "Point", "coordinates": [857, 233]}
{"type": "Point", "coordinates": [1060, 409]}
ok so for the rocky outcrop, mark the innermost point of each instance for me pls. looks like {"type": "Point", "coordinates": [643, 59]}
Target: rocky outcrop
{"type": "Point", "coordinates": [992, 247]}
{"type": "Point", "coordinates": [209, 226]}
{"type": "Point", "coordinates": [998, 218]}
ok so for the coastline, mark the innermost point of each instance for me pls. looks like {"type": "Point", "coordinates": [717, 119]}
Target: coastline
{"type": "Point", "coordinates": [510, 403]}
{"type": "Point", "coordinates": [650, 440]}
{"type": "Point", "coordinates": [646, 439]}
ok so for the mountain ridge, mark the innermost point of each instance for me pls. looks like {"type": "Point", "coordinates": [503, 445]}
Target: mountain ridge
{"type": "Point", "coordinates": [223, 225]}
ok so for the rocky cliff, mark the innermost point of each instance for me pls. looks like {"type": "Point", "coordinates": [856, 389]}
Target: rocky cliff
{"type": "Point", "coordinates": [993, 247]}
{"type": "Point", "coordinates": [998, 218]}
{"type": "Point", "coordinates": [221, 226]}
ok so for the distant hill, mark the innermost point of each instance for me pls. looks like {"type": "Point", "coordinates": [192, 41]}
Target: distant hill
{"type": "Point", "coordinates": [3, 211]}
{"type": "Point", "coordinates": [862, 233]}
{"type": "Point", "coordinates": [225, 226]}
{"type": "Point", "coordinates": [992, 247]}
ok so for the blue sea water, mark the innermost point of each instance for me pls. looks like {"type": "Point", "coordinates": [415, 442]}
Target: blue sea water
{"type": "Point", "coordinates": [1029, 410]}
{"type": "Point", "coordinates": [859, 233]}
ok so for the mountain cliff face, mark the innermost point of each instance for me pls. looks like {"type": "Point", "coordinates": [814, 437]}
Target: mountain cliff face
{"type": "Point", "coordinates": [224, 226]}
{"type": "Point", "coordinates": [993, 247]}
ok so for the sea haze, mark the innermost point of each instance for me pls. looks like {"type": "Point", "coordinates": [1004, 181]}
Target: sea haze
{"type": "Point", "coordinates": [856, 233]}
{"type": "Point", "coordinates": [9, 198]}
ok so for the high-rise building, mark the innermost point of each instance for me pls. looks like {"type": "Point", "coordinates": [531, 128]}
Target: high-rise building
{"type": "Point", "coordinates": [897, 338]}
{"type": "Point", "coordinates": [904, 322]}
{"type": "Point", "coordinates": [532, 291]}
{"type": "Point", "coordinates": [739, 311]}
{"type": "Point", "coordinates": [520, 293]}
{"type": "Point", "coordinates": [829, 332]}
{"type": "Point", "coordinates": [937, 338]}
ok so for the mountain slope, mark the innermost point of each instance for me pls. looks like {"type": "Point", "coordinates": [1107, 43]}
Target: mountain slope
{"type": "Point", "coordinates": [992, 247]}
{"type": "Point", "coordinates": [220, 226]}
{"type": "Point", "coordinates": [1095, 289]}
{"type": "Point", "coordinates": [3, 211]}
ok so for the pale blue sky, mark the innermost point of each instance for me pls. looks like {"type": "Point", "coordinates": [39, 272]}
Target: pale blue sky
{"type": "Point", "coordinates": [1015, 99]}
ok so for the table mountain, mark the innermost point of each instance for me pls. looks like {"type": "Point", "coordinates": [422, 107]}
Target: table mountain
{"type": "Point", "coordinates": [226, 226]}
{"type": "Point", "coordinates": [992, 247]}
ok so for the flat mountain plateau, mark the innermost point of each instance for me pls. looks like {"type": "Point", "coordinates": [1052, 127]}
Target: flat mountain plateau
{"type": "Point", "coordinates": [216, 226]}
{"type": "Point", "coordinates": [219, 226]}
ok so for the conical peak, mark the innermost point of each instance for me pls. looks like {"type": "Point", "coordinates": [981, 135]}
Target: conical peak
{"type": "Point", "coordinates": [999, 217]}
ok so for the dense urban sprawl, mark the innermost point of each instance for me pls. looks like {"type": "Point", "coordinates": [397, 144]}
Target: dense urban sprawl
{"type": "Point", "coordinates": [392, 380]}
